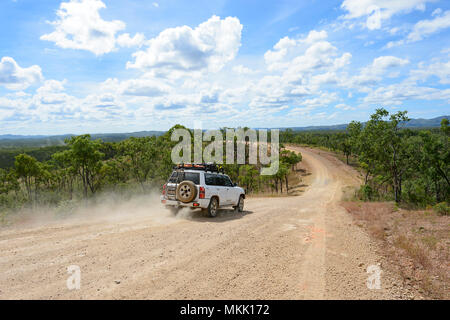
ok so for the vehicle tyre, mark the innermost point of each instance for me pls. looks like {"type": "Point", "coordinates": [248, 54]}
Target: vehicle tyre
{"type": "Point", "coordinates": [186, 191]}
{"type": "Point", "coordinates": [240, 206]}
{"type": "Point", "coordinates": [213, 207]}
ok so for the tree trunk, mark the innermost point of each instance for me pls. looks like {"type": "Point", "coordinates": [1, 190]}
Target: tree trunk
{"type": "Point", "coordinates": [287, 184]}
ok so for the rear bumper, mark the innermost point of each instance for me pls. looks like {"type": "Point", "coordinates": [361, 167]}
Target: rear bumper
{"type": "Point", "coordinates": [199, 203]}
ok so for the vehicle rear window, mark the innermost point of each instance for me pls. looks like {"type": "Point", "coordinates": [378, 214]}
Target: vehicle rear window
{"type": "Point", "coordinates": [173, 177]}
{"type": "Point", "coordinates": [190, 176]}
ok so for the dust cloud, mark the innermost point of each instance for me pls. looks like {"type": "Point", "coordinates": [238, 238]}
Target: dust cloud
{"type": "Point", "coordinates": [105, 208]}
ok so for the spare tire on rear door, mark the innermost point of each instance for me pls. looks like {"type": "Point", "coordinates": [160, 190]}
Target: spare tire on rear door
{"type": "Point", "coordinates": [186, 191]}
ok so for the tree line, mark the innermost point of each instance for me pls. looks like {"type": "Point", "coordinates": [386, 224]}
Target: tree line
{"type": "Point", "coordinates": [84, 167]}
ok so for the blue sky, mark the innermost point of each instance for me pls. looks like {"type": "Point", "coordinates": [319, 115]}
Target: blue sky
{"type": "Point", "coordinates": [78, 66]}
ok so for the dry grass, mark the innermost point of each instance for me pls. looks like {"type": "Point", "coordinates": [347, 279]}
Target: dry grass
{"type": "Point", "coordinates": [416, 242]}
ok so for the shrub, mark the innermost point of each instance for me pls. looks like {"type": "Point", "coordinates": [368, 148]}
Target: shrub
{"type": "Point", "coordinates": [442, 209]}
{"type": "Point", "coordinates": [366, 192]}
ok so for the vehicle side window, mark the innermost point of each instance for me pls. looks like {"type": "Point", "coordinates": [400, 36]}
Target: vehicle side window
{"type": "Point", "coordinates": [173, 177]}
{"type": "Point", "coordinates": [210, 179]}
{"type": "Point", "coordinates": [220, 181]}
{"type": "Point", "coordinates": [228, 182]}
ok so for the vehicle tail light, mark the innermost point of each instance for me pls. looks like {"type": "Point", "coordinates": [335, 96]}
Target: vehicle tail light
{"type": "Point", "coordinates": [201, 193]}
{"type": "Point", "coordinates": [164, 190]}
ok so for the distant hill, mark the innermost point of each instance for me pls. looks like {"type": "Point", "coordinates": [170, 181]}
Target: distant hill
{"type": "Point", "coordinates": [27, 141]}
{"type": "Point", "coordinates": [413, 123]}
{"type": "Point", "coordinates": [9, 141]}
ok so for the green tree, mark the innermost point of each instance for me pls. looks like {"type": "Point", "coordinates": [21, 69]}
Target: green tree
{"type": "Point", "coordinates": [8, 181]}
{"type": "Point", "coordinates": [85, 158]}
{"type": "Point", "coordinates": [27, 168]}
{"type": "Point", "coordinates": [445, 128]}
{"type": "Point", "coordinates": [141, 153]}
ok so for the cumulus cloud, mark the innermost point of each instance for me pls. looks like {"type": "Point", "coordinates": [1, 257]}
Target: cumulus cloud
{"type": "Point", "coordinates": [440, 69]}
{"type": "Point", "coordinates": [125, 40]}
{"type": "Point", "coordinates": [80, 26]}
{"type": "Point", "coordinates": [397, 93]}
{"type": "Point", "coordinates": [182, 49]}
{"type": "Point", "coordinates": [344, 106]}
{"type": "Point", "coordinates": [144, 87]}
{"type": "Point", "coordinates": [381, 64]}
{"type": "Point", "coordinates": [242, 70]}
{"type": "Point", "coordinates": [300, 67]}
{"type": "Point", "coordinates": [425, 28]}
{"type": "Point", "coordinates": [373, 73]}
{"type": "Point", "coordinates": [377, 11]}
{"type": "Point", "coordinates": [13, 77]}
{"type": "Point", "coordinates": [286, 48]}
{"type": "Point", "coordinates": [52, 92]}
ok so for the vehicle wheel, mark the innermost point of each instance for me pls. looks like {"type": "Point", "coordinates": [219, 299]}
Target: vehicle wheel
{"type": "Point", "coordinates": [213, 207]}
{"type": "Point", "coordinates": [186, 191]}
{"type": "Point", "coordinates": [240, 206]}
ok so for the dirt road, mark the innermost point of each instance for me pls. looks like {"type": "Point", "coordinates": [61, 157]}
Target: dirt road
{"type": "Point", "coordinates": [298, 247]}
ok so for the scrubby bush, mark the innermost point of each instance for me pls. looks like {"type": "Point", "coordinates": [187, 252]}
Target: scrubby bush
{"type": "Point", "coordinates": [442, 208]}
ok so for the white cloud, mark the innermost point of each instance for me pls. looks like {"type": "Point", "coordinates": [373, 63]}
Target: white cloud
{"type": "Point", "coordinates": [344, 106]}
{"type": "Point", "coordinates": [324, 99]}
{"type": "Point", "coordinates": [298, 70]}
{"type": "Point", "coordinates": [13, 77]}
{"type": "Point", "coordinates": [286, 48]}
{"type": "Point", "coordinates": [378, 11]}
{"type": "Point", "coordinates": [80, 26]}
{"type": "Point", "coordinates": [397, 93]}
{"type": "Point", "coordinates": [373, 73]}
{"type": "Point", "coordinates": [51, 93]}
{"type": "Point", "coordinates": [144, 87]}
{"type": "Point", "coordinates": [381, 64]}
{"type": "Point", "coordinates": [425, 28]}
{"type": "Point", "coordinates": [125, 40]}
{"type": "Point", "coordinates": [439, 69]}
{"type": "Point", "coordinates": [177, 50]}
{"type": "Point", "coordinates": [242, 70]}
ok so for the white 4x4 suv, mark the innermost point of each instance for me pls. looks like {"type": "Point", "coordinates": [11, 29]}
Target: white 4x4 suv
{"type": "Point", "coordinates": [201, 186]}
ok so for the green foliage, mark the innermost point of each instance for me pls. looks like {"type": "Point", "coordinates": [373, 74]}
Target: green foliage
{"type": "Point", "coordinates": [404, 165]}
{"type": "Point", "coordinates": [84, 157]}
{"type": "Point", "coordinates": [83, 167]}
{"type": "Point", "coordinates": [7, 156]}
{"type": "Point", "coordinates": [442, 208]}
{"type": "Point", "coordinates": [366, 192]}
{"type": "Point", "coordinates": [28, 170]}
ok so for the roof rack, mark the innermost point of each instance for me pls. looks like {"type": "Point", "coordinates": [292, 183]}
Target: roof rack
{"type": "Point", "coordinates": [211, 167]}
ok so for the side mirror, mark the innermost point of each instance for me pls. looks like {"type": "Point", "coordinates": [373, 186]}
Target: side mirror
{"type": "Point", "coordinates": [235, 184]}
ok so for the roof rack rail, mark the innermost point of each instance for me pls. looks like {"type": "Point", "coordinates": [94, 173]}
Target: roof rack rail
{"type": "Point", "coordinates": [211, 167]}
